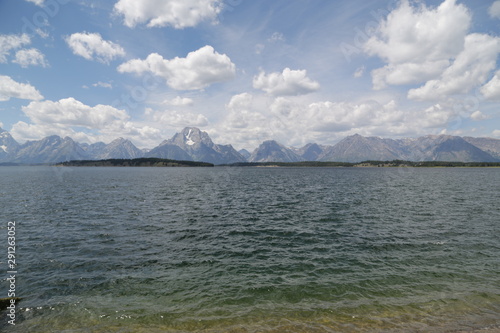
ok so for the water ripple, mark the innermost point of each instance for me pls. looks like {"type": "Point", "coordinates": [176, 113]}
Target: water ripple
{"type": "Point", "coordinates": [255, 249]}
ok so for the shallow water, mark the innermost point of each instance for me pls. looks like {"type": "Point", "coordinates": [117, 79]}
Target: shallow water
{"type": "Point", "coordinates": [254, 249]}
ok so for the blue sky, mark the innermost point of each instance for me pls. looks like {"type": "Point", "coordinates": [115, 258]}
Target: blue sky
{"type": "Point", "coordinates": [247, 71]}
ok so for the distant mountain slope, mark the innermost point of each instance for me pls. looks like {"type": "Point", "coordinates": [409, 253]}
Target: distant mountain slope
{"type": "Point", "coordinates": [49, 150]}
{"type": "Point", "coordinates": [169, 151]}
{"type": "Point", "coordinates": [357, 148]}
{"type": "Point", "coordinates": [119, 148]}
{"type": "Point", "coordinates": [245, 153]}
{"type": "Point", "coordinates": [192, 144]}
{"type": "Point", "coordinates": [228, 154]}
{"type": "Point", "coordinates": [489, 145]}
{"type": "Point", "coordinates": [445, 148]}
{"type": "Point", "coordinates": [310, 152]}
{"type": "Point", "coordinates": [94, 149]}
{"type": "Point", "coordinates": [271, 151]}
{"type": "Point", "coordinates": [8, 146]}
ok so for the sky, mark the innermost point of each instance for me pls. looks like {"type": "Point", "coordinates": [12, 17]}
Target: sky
{"type": "Point", "coordinates": [246, 71]}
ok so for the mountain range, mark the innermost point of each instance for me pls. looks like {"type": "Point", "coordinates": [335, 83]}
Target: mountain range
{"type": "Point", "coordinates": [192, 144]}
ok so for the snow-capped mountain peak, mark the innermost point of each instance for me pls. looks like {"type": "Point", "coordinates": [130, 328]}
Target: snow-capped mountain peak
{"type": "Point", "coordinates": [188, 140]}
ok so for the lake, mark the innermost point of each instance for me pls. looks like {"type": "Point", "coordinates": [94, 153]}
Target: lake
{"type": "Point", "coordinates": [253, 249]}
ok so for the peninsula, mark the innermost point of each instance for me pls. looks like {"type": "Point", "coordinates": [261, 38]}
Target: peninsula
{"type": "Point", "coordinates": [136, 162]}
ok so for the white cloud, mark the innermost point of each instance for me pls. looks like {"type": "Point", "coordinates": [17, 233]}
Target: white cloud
{"type": "Point", "coordinates": [198, 70]}
{"type": "Point", "coordinates": [12, 89]}
{"type": "Point", "coordinates": [22, 131]}
{"type": "Point", "coordinates": [176, 119]}
{"type": "Point", "coordinates": [71, 112]}
{"type": "Point", "coordinates": [68, 116]}
{"type": "Point", "coordinates": [359, 72]}
{"type": "Point", "coordinates": [240, 102]}
{"type": "Point", "coordinates": [250, 119]}
{"type": "Point", "coordinates": [295, 121]}
{"type": "Point", "coordinates": [175, 13]}
{"type": "Point", "coordinates": [478, 115]}
{"type": "Point", "coordinates": [142, 136]}
{"type": "Point", "coordinates": [241, 113]}
{"type": "Point", "coordinates": [245, 124]}
{"type": "Point", "coordinates": [407, 73]}
{"type": "Point", "coordinates": [344, 116]}
{"type": "Point", "coordinates": [276, 37]}
{"type": "Point", "coordinates": [494, 10]}
{"type": "Point", "coordinates": [491, 90]}
{"type": "Point", "coordinates": [179, 101]}
{"type": "Point", "coordinates": [436, 116]}
{"type": "Point", "coordinates": [11, 42]}
{"type": "Point", "coordinates": [37, 2]}
{"type": "Point", "coordinates": [30, 57]}
{"type": "Point", "coordinates": [91, 46]}
{"type": "Point", "coordinates": [496, 133]}
{"type": "Point", "coordinates": [432, 47]}
{"type": "Point", "coordinates": [422, 33]}
{"type": "Point", "coordinates": [103, 85]}
{"type": "Point", "coordinates": [418, 43]}
{"type": "Point", "coordinates": [470, 69]}
{"type": "Point", "coordinates": [42, 33]}
{"type": "Point", "coordinates": [289, 82]}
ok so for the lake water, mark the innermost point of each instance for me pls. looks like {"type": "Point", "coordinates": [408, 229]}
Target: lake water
{"type": "Point", "coordinates": [253, 249]}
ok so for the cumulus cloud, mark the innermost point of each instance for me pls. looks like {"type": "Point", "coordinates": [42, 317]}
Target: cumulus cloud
{"type": "Point", "coordinates": [288, 83]}
{"type": "Point", "coordinates": [491, 90]}
{"type": "Point", "coordinates": [11, 42]}
{"type": "Point", "coordinates": [141, 135]}
{"type": "Point", "coordinates": [343, 117]}
{"type": "Point", "coordinates": [245, 123]}
{"type": "Point", "coordinates": [178, 14]}
{"type": "Point", "coordinates": [24, 57]}
{"type": "Point", "coordinates": [418, 43]}
{"type": "Point", "coordinates": [240, 102]}
{"type": "Point", "coordinates": [432, 47]}
{"type": "Point", "coordinates": [71, 112]}
{"type": "Point", "coordinates": [12, 89]}
{"type": "Point", "coordinates": [241, 113]}
{"type": "Point", "coordinates": [494, 10]}
{"type": "Point", "coordinates": [359, 72]}
{"type": "Point", "coordinates": [23, 131]}
{"type": "Point", "coordinates": [197, 70]}
{"type": "Point", "coordinates": [91, 46]}
{"type": "Point", "coordinates": [30, 57]}
{"type": "Point", "coordinates": [294, 121]}
{"type": "Point", "coordinates": [68, 116]}
{"type": "Point", "coordinates": [179, 101]}
{"type": "Point", "coordinates": [478, 115]}
{"type": "Point", "coordinates": [176, 119]}
{"type": "Point", "coordinates": [470, 69]}
{"type": "Point", "coordinates": [421, 33]}
{"type": "Point", "coordinates": [409, 73]}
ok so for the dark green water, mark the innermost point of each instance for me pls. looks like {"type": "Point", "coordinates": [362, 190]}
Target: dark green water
{"type": "Point", "coordinates": [253, 249]}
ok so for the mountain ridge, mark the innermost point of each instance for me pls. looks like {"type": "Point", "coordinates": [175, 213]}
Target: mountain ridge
{"type": "Point", "coordinates": [192, 144]}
